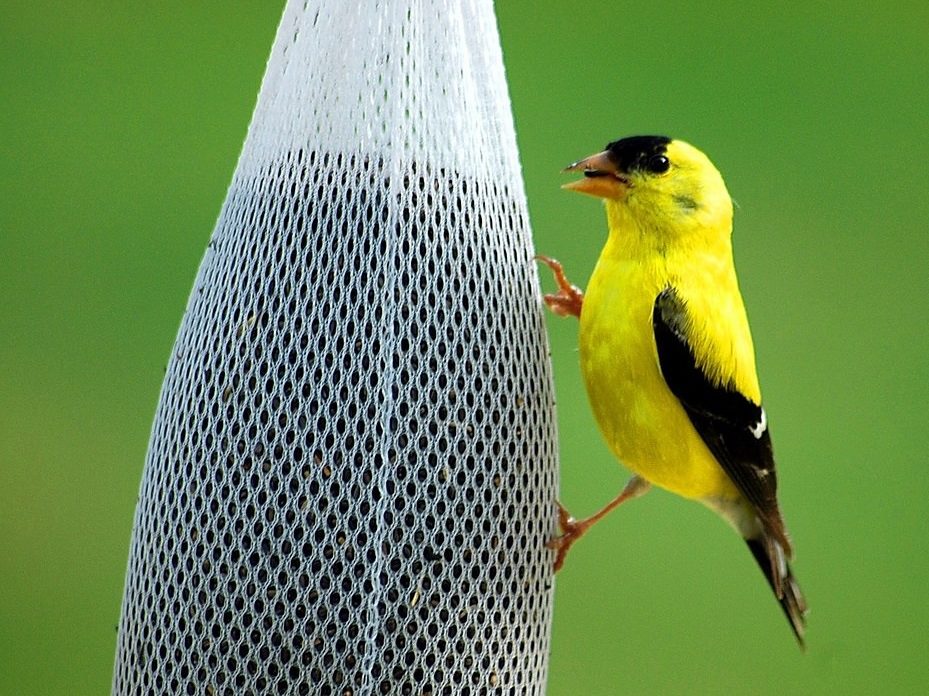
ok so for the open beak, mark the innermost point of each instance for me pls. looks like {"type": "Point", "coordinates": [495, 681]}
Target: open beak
{"type": "Point", "coordinates": [601, 177]}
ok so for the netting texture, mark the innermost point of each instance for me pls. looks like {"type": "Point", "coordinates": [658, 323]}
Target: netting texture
{"type": "Point", "coordinates": [352, 468]}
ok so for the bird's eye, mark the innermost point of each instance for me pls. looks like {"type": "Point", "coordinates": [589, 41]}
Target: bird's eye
{"type": "Point", "coordinates": [658, 164]}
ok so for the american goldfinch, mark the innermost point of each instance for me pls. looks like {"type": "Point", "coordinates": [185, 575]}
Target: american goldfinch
{"type": "Point", "coordinates": [666, 352]}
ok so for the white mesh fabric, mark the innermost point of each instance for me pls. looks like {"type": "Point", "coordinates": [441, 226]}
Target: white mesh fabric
{"type": "Point", "coordinates": [351, 471]}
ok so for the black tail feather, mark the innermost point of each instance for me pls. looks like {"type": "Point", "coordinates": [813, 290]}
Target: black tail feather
{"type": "Point", "coordinates": [771, 559]}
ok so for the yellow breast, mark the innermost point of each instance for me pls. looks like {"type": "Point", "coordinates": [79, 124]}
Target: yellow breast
{"type": "Point", "coordinates": [642, 421]}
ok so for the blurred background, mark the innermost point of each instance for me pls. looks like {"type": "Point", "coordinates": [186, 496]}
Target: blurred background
{"type": "Point", "coordinates": [120, 127]}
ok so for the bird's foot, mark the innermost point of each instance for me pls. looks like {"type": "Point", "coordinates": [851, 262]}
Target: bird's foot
{"type": "Point", "coordinates": [571, 531]}
{"type": "Point", "coordinates": [569, 298]}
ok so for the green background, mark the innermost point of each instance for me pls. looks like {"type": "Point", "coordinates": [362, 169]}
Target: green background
{"type": "Point", "coordinates": [120, 125]}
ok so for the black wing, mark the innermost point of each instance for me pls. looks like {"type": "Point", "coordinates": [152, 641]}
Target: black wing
{"type": "Point", "coordinates": [733, 427]}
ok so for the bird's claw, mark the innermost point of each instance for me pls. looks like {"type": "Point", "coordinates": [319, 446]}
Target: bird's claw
{"type": "Point", "coordinates": [571, 531]}
{"type": "Point", "coordinates": [569, 299]}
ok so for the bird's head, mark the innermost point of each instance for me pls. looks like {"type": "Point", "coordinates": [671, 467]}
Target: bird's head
{"type": "Point", "coordinates": [656, 184]}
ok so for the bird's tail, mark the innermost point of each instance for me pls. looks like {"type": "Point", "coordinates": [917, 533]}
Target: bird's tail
{"type": "Point", "coordinates": [769, 553]}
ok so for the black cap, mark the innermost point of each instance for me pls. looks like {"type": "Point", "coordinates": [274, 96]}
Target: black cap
{"type": "Point", "coordinates": [635, 153]}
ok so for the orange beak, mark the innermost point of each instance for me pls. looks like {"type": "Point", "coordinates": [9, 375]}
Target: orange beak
{"type": "Point", "coordinates": [601, 177]}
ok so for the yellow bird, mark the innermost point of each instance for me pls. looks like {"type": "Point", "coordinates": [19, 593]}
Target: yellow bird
{"type": "Point", "coordinates": [666, 351]}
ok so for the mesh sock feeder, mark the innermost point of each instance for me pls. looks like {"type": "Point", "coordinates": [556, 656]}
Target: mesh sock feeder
{"type": "Point", "coordinates": [352, 468]}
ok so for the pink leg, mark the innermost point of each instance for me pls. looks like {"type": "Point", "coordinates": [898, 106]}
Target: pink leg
{"type": "Point", "coordinates": [572, 529]}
